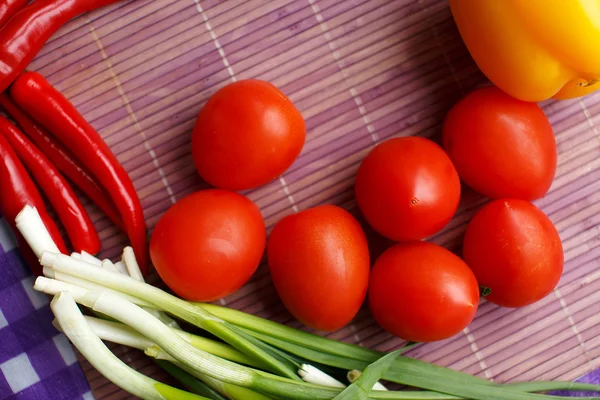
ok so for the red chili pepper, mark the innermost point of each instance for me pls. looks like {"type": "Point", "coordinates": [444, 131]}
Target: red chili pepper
{"type": "Point", "coordinates": [63, 159]}
{"type": "Point", "coordinates": [25, 34]}
{"type": "Point", "coordinates": [8, 8]}
{"type": "Point", "coordinates": [18, 190]}
{"type": "Point", "coordinates": [71, 212]}
{"type": "Point", "coordinates": [32, 92]}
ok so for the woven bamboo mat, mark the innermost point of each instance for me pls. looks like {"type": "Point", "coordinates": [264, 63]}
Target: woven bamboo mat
{"type": "Point", "coordinates": [360, 71]}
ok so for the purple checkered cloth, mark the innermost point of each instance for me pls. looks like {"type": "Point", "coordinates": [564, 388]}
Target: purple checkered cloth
{"type": "Point", "coordinates": [592, 377]}
{"type": "Point", "coordinates": [36, 361]}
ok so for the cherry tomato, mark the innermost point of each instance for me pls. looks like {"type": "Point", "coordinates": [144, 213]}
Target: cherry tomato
{"type": "Point", "coordinates": [246, 135]}
{"type": "Point", "coordinates": [514, 249]}
{"type": "Point", "coordinates": [422, 292]}
{"type": "Point", "coordinates": [407, 188]}
{"type": "Point", "coordinates": [208, 244]}
{"type": "Point", "coordinates": [501, 146]}
{"type": "Point", "coordinates": [319, 262]}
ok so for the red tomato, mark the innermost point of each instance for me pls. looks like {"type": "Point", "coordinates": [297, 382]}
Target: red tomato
{"type": "Point", "coordinates": [514, 249]}
{"type": "Point", "coordinates": [501, 146]}
{"type": "Point", "coordinates": [422, 292]}
{"type": "Point", "coordinates": [246, 135]}
{"type": "Point", "coordinates": [319, 262]}
{"type": "Point", "coordinates": [407, 188]}
{"type": "Point", "coordinates": [208, 244]}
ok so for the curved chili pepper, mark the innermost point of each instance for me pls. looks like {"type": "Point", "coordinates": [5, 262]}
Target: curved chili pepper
{"type": "Point", "coordinates": [63, 159]}
{"type": "Point", "coordinates": [71, 212]}
{"type": "Point", "coordinates": [25, 34]}
{"type": "Point", "coordinates": [32, 92]}
{"type": "Point", "coordinates": [8, 8]}
{"type": "Point", "coordinates": [18, 190]}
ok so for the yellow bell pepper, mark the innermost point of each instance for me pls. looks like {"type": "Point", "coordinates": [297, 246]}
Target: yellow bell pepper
{"type": "Point", "coordinates": [534, 49]}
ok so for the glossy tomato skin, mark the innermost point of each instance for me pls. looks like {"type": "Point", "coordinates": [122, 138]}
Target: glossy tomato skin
{"type": "Point", "coordinates": [319, 263]}
{"type": "Point", "coordinates": [208, 244]}
{"type": "Point", "coordinates": [502, 147]}
{"type": "Point", "coordinates": [407, 188]}
{"type": "Point", "coordinates": [422, 292]}
{"type": "Point", "coordinates": [514, 249]}
{"type": "Point", "coordinates": [247, 134]}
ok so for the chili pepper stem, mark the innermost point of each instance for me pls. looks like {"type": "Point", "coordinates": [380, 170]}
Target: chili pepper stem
{"type": "Point", "coordinates": [484, 291]}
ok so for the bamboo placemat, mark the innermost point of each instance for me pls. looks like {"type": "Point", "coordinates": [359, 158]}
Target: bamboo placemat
{"type": "Point", "coordinates": [360, 71]}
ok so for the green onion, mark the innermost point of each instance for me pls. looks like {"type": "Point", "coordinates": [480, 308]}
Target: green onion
{"type": "Point", "coordinates": [271, 385]}
{"type": "Point", "coordinates": [61, 263]}
{"type": "Point", "coordinates": [195, 360]}
{"type": "Point", "coordinates": [355, 374]}
{"type": "Point", "coordinates": [100, 357]}
{"type": "Point", "coordinates": [131, 264]}
{"type": "Point", "coordinates": [87, 258]}
{"type": "Point", "coordinates": [116, 332]}
{"type": "Point", "coordinates": [190, 382]}
{"type": "Point", "coordinates": [285, 359]}
{"type": "Point", "coordinates": [329, 352]}
{"type": "Point", "coordinates": [200, 363]}
{"type": "Point", "coordinates": [232, 392]}
{"type": "Point", "coordinates": [314, 375]}
{"type": "Point", "coordinates": [31, 226]}
{"type": "Point", "coordinates": [60, 280]}
{"type": "Point", "coordinates": [321, 357]}
{"type": "Point", "coordinates": [347, 356]}
{"type": "Point", "coordinates": [121, 268]}
{"type": "Point", "coordinates": [305, 339]}
{"type": "Point", "coordinates": [361, 389]}
{"type": "Point", "coordinates": [122, 334]}
{"type": "Point", "coordinates": [409, 372]}
{"type": "Point", "coordinates": [107, 265]}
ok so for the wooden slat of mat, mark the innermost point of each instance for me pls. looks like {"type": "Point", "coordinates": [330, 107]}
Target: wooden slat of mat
{"type": "Point", "coordinates": [360, 71]}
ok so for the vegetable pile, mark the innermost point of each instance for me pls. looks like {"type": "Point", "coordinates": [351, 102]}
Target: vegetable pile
{"type": "Point", "coordinates": [254, 358]}
{"type": "Point", "coordinates": [52, 146]}
{"type": "Point", "coordinates": [210, 243]}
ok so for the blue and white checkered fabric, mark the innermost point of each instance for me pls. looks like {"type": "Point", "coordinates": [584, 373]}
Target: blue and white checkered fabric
{"type": "Point", "coordinates": [36, 361]}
